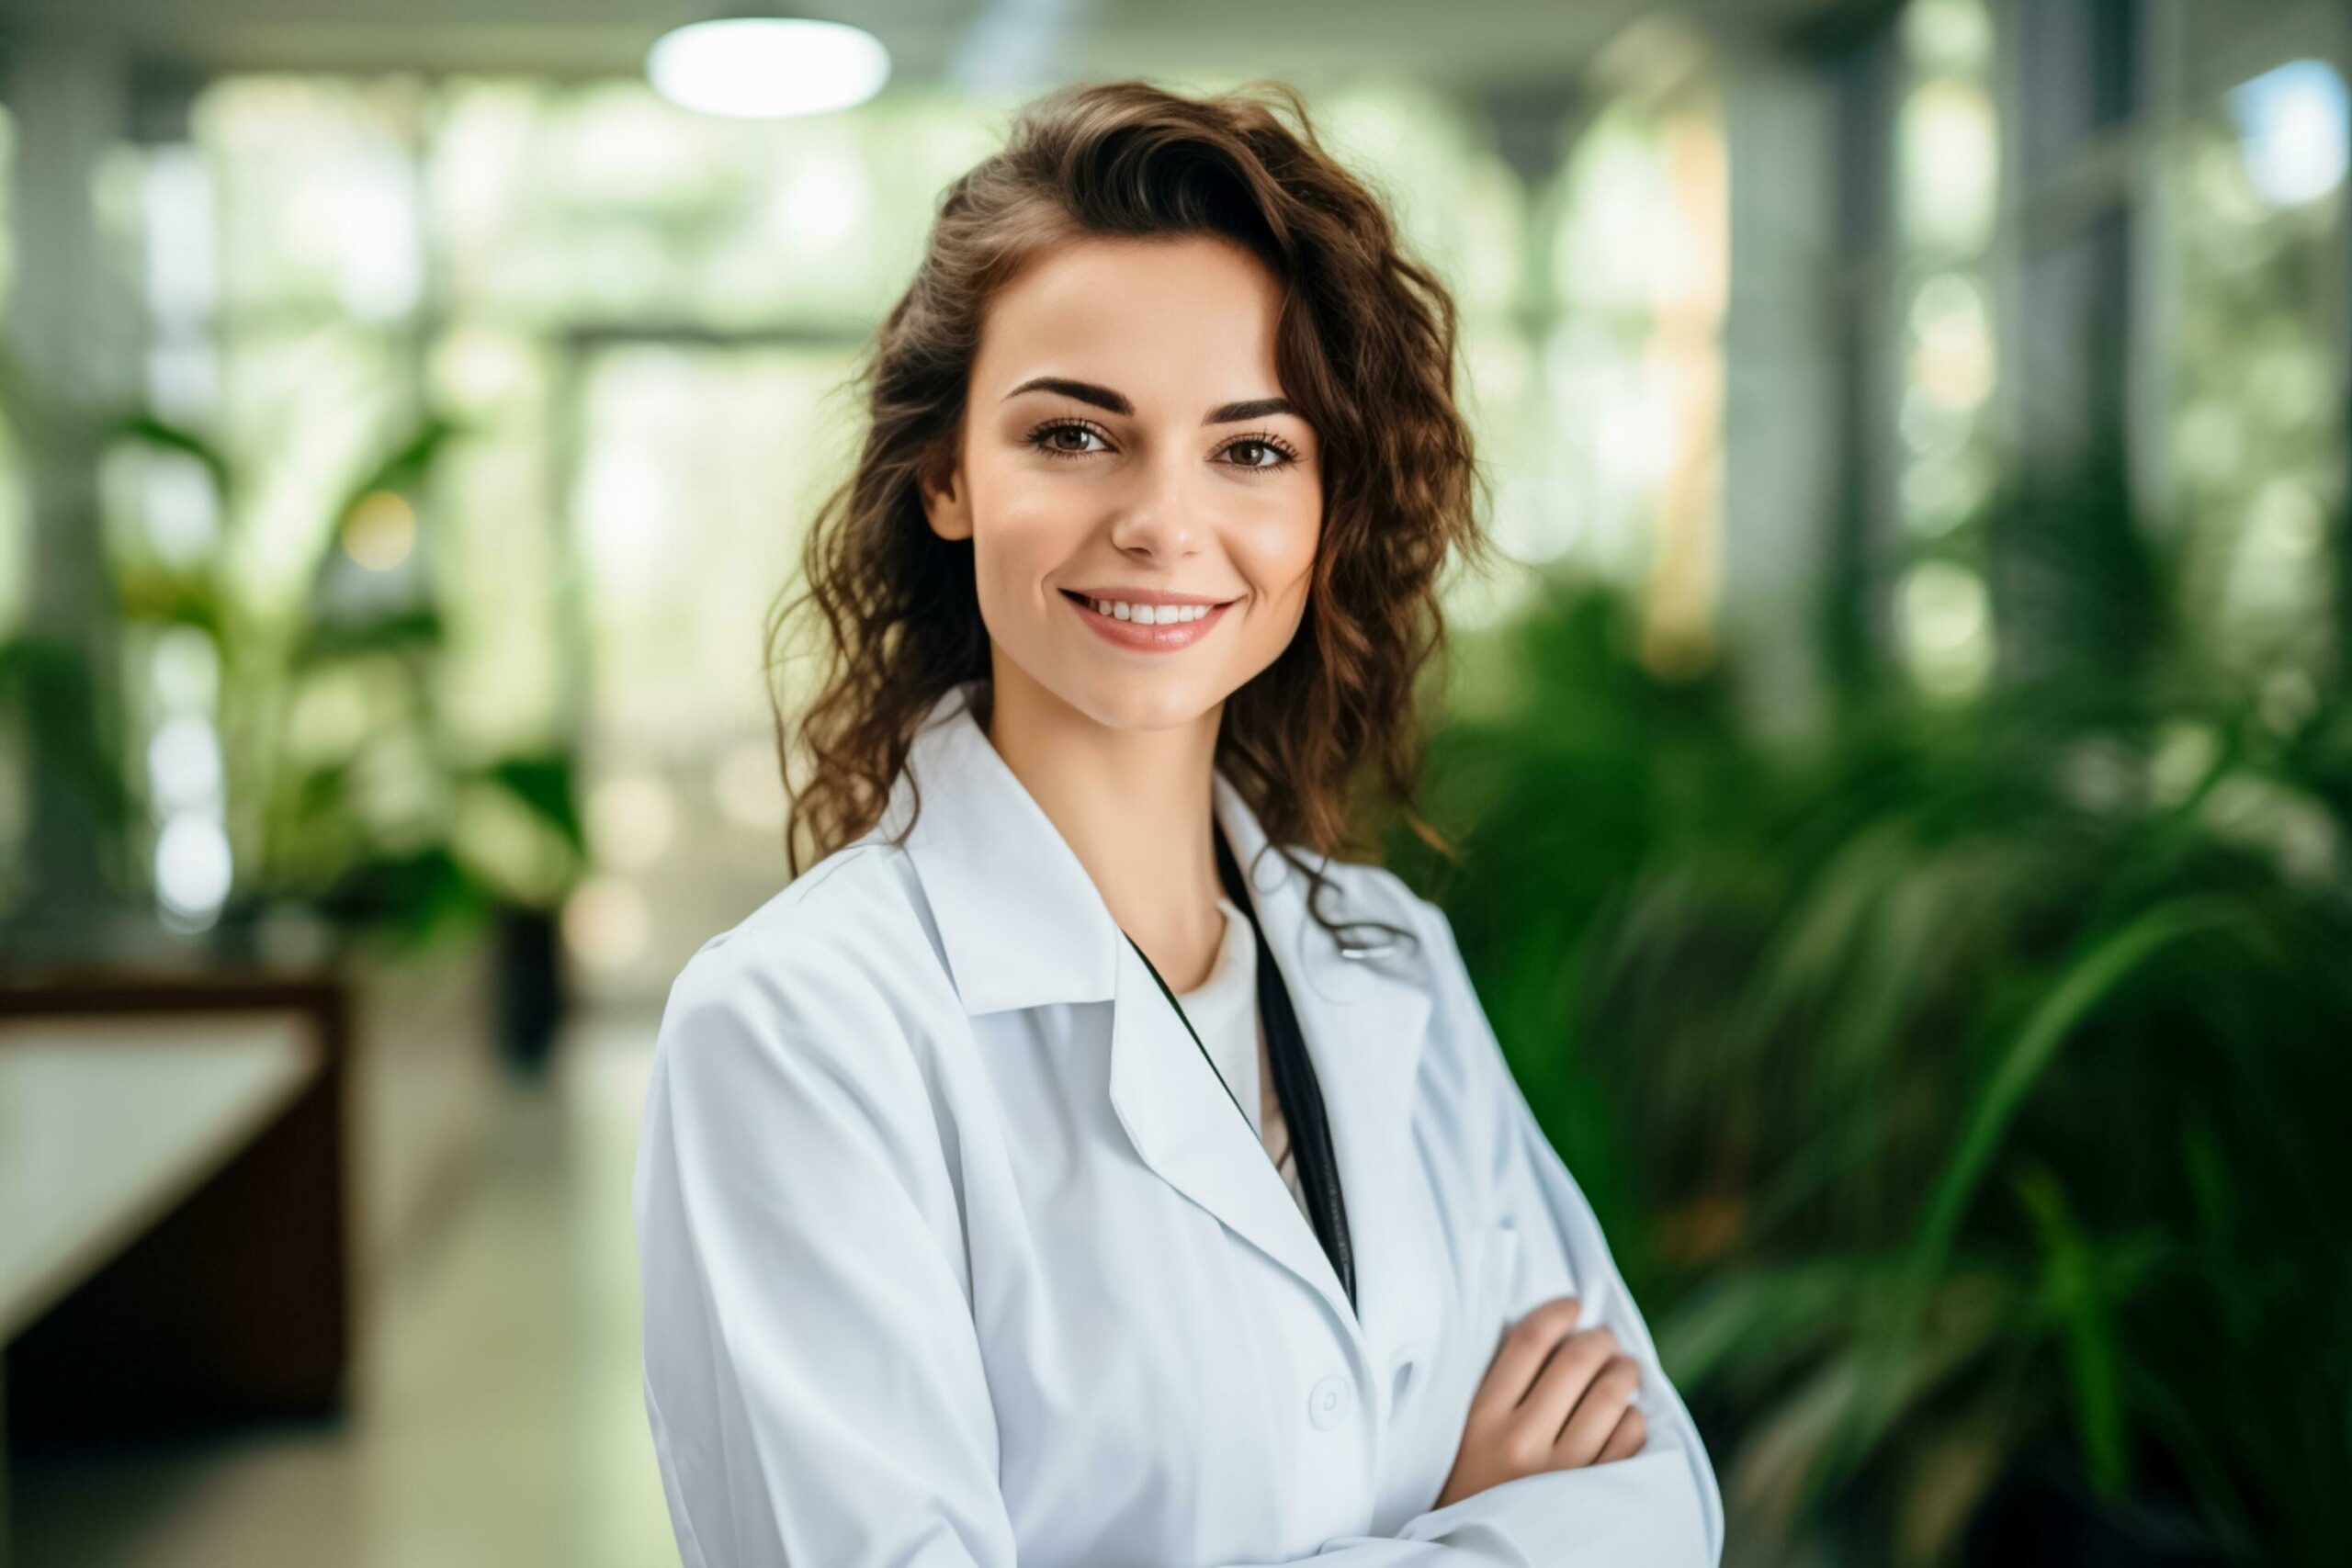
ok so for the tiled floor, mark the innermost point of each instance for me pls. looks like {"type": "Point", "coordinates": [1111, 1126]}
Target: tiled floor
{"type": "Point", "coordinates": [497, 1418]}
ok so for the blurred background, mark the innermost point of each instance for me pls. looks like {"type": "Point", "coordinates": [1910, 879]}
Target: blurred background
{"type": "Point", "coordinates": [1901, 771]}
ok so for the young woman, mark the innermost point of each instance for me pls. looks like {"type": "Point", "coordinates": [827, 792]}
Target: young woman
{"type": "Point", "coordinates": [1078, 1164]}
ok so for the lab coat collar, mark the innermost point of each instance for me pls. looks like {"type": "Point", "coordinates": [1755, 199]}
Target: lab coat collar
{"type": "Point", "coordinates": [1022, 925]}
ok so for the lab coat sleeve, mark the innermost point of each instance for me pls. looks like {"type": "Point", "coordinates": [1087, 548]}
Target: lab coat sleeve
{"type": "Point", "coordinates": [811, 1373]}
{"type": "Point", "coordinates": [1660, 1508]}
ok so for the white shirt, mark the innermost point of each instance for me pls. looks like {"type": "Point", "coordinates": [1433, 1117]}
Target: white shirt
{"type": "Point", "coordinates": [954, 1253]}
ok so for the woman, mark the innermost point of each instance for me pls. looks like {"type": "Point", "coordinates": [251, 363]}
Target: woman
{"type": "Point", "coordinates": [953, 1248]}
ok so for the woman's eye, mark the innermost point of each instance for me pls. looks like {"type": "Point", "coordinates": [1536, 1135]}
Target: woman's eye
{"type": "Point", "coordinates": [1263, 453]}
{"type": "Point", "coordinates": [1049, 440]}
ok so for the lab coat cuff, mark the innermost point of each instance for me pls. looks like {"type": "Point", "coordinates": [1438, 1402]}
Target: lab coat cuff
{"type": "Point", "coordinates": [1642, 1509]}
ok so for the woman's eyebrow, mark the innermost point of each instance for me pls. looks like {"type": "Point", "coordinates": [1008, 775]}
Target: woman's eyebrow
{"type": "Point", "coordinates": [1115, 402]}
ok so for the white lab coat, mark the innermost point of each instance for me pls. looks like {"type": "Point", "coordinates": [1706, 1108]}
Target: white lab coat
{"type": "Point", "coordinates": [953, 1252]}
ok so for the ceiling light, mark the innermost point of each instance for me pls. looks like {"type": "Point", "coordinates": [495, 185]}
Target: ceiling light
{"type": "Point", "coordinates": [766, 67]}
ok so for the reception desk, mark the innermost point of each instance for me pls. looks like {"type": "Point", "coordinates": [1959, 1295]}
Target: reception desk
{"type": "Point", "coordinates": [172, 1237]}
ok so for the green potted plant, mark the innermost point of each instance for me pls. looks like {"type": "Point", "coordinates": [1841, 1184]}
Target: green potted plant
{"type": "Point", "coordinates": [1964, 1083]}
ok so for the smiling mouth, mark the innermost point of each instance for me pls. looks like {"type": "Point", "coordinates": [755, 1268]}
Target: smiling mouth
{"type": "Point", "coordinates": [1153, 636]}
{"type": "Point", "coordinates": [1175, 615]}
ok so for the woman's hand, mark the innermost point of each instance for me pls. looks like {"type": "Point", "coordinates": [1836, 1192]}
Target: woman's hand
{"type": "Point", "coordinates": [1553, 1399]}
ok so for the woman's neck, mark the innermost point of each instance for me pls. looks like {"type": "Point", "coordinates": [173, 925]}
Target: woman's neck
{"type": "Point", "coordinates": [1134, 806]}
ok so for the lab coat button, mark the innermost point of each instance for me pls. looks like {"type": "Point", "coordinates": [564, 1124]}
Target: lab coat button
{"type": "Point", "coordinates": [1327, 1406]}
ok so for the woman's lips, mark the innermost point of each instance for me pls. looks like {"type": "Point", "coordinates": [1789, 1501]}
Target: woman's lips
{"type": "Point", "coordinates": [1147, 640]}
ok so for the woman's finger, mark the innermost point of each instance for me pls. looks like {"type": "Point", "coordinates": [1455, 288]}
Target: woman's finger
{"type": "Point", "coordinates": [1563, 1381]}
{"type": "Point", "coordinates": [1525, 1345]}
{"type": "Point", "coordinates": [1606, 1400]}
{"type": "Point", "coordinates": [1626, 1440]}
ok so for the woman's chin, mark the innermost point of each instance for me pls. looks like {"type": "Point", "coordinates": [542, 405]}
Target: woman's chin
{"type": "Point", "coordinates": [1141, 699]}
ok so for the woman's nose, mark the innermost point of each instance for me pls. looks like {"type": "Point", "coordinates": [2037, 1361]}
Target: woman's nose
{"type": "Point", "coordinates": [1161, 511]}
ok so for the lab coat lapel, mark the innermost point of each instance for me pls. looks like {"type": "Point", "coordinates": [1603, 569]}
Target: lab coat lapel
{"type": "Point", "coordinates": [1022, 925]}
{"type": "Point", "coordinates": [1187, 1130]}
{"type": "Point", "coordinates": [1364, 1021]}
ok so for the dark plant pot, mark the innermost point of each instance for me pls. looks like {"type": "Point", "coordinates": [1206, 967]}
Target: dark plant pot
{"type": "Point", "coordinates": [2043, 1514]}
{"type": "Point", "coordinates": [530, 984]}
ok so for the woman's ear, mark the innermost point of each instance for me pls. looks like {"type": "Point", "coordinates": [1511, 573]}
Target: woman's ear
{"type": "Point", "coordinates": [946, 499]}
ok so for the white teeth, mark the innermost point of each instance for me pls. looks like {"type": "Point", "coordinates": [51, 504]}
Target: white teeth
{"type": "Point", "coordinates": [1150, 615]}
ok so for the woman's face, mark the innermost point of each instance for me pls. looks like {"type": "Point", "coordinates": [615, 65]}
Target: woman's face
{"type": "Point", "coordinates": [1125, 440]}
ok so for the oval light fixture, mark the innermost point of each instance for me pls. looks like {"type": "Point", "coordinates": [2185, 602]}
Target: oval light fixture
{"type": "Point", "coordinates": [2292, 123]}
{"type": "Point", "coordinates": [767, 67]}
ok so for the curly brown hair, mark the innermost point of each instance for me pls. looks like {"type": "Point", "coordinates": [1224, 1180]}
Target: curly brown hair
{"type": "Point", "coordinates": [1365, 345]}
